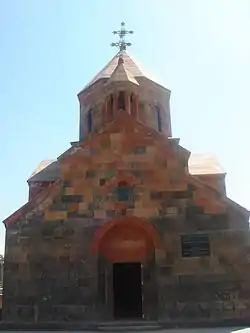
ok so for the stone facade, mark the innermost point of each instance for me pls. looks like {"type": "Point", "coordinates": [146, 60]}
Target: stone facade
{"type": "Point", "coordinates": [127, 183]}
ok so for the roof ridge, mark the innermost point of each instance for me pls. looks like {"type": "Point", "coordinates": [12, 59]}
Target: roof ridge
{"type": "Point", "coordinates": [121, 73]}
{"type": "Point", "coordinates": [95, 78]}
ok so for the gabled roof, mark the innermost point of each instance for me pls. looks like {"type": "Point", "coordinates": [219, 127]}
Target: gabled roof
{"type": "Point", "coordinates": [47, 170]}
{"type": "Point", "coordinates": [129, 65]}
{"type": "Point", "coordinates": [198, 164]}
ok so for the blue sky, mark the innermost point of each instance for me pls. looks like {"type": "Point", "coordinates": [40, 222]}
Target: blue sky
{"type": "Point", "coordinates": [199, 49]}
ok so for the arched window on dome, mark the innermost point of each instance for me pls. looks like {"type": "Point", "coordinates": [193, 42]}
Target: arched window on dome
{"type": "Point", "coordinates": [110, 108]}
{"type": "Point", "coordinates": [90, 120]}
{"type": "Point", "coordinates": [158, 118]}
{"type": "Point", "coordinates": [132, 105]}
{"type": "Point", "coordinates": [121, 101]}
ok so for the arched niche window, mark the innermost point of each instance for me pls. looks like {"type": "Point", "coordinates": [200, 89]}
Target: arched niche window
{"type": "Point", "coordinates": [158, 117]}
{"type": "Point", "coordinates": [124, 192]}
{"type": "Point", "coordinates": [141, 109]}
{"type": "Point", "coordinates": [90, 120]}
{"type": "Point", "coordinates": [110, 110]}
{"type": "Point", "coordinates": [121, 100]}
{"type": "Point", "coordinates": [132, 104]}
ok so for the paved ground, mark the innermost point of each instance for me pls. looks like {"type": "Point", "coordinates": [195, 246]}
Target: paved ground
{"type": "Point", "coordinates": [191, 330]}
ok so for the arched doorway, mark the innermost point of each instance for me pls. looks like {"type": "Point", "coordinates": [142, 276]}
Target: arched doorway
{"type": "Point", "coordinates": [126, 251]}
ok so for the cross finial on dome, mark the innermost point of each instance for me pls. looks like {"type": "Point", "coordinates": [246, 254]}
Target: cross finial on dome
{"type": "Point", "coordinates": [122, 44]}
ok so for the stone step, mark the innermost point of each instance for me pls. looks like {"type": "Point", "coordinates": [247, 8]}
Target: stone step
{"type": "Point", "coordinates": [119, 326]}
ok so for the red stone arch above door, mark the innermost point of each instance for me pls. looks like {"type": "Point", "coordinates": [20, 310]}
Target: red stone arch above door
{"type": "Point", "coordinates": [126, 239]}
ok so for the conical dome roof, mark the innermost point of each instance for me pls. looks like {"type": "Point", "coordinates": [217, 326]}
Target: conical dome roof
{"type": "Point", "coordinates": [129, 65]}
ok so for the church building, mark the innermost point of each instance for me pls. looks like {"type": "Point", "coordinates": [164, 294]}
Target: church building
{"type": "Point", "coordinates": [127, 224]}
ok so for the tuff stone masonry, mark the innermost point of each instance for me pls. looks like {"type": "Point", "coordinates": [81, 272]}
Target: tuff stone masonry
{"type": "Point", "coordinates": [127, 192]}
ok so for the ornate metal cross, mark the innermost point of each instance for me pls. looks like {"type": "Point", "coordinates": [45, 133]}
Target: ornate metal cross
{"type": "Point", "coordinates": [122, 44]}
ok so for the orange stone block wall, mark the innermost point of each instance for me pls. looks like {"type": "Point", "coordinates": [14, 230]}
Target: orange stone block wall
{"type": "Point", "coordinates": [53, 260]}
